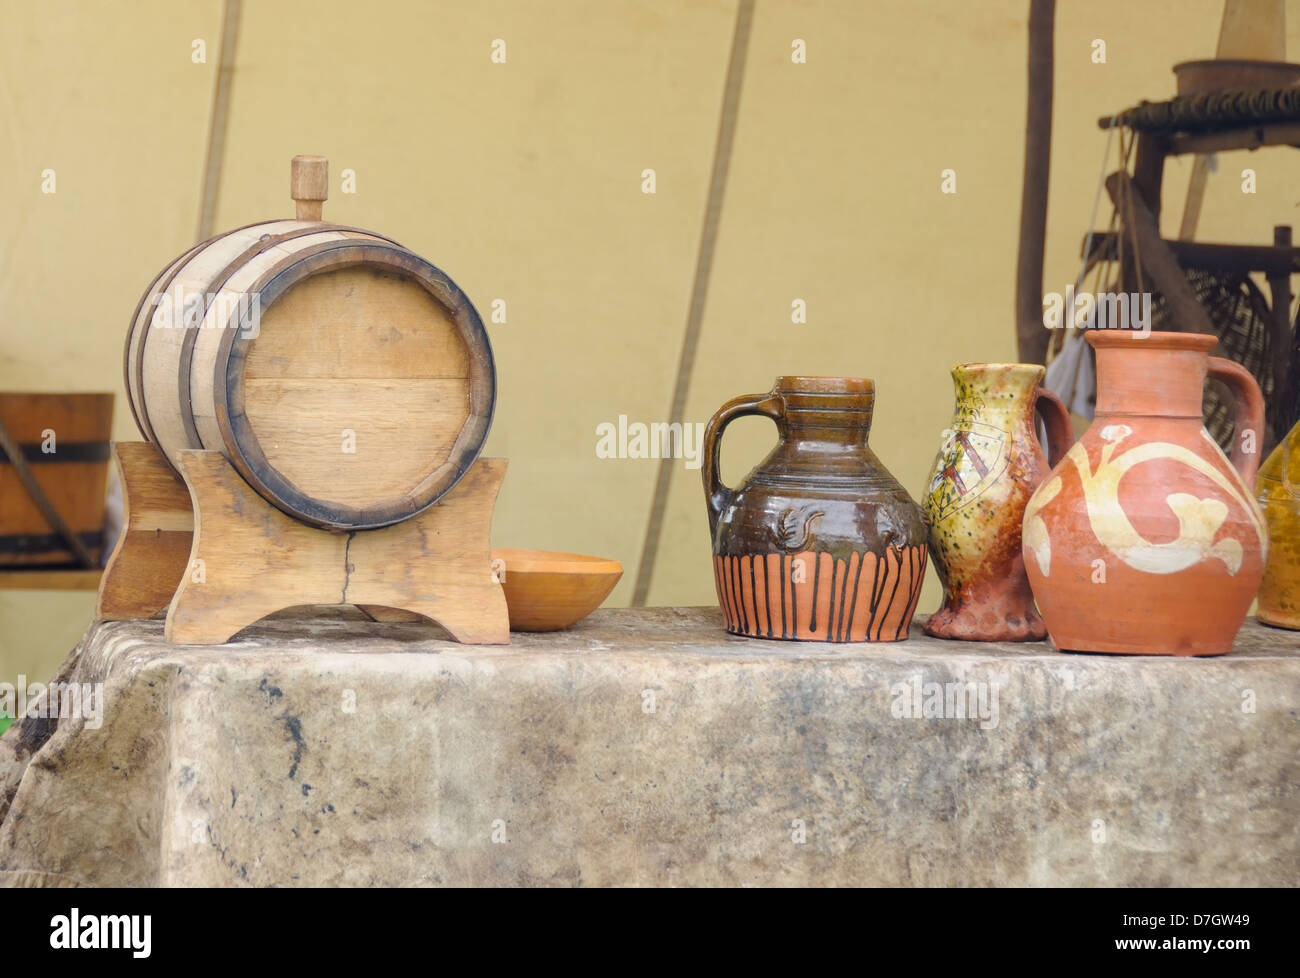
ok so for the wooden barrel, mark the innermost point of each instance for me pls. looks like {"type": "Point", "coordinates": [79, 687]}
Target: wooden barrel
{"type": "Point", "coordinates": [349, 381]}
{"type": "Point", "coordinates": [62, 441]}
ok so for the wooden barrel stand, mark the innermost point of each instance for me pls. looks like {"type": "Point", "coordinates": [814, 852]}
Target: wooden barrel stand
{"type": "Point", "coordinates": [219, 557]}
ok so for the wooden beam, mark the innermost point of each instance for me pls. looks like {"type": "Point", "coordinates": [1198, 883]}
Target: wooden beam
{"type": "Point", "coordinates": [1156, 259]}
{"type": "Point", "coordinates": [1247, 137]}
{"type": "Point", "coordinates": [1279, 286]}
{"type": "Point", "coordinates": [1149, 170]}
{"type": "Point", "coordinates": [1031, 336]}
{"type": "Point", "coordinates": [1268, 259]}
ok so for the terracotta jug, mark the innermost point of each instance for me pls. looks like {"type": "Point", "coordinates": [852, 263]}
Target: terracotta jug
{"type": "Point", "coordinates": [820, 542]}
{"type": "Point", "coordinates": [989, 464]}
{"type": "Point", "coordinates": [1146, 539]}
{"type": "Point", "coordinates": [1278, 490]}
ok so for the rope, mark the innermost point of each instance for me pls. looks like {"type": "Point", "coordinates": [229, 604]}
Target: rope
{"type": "Point", "coordinates": [1128, 143]}
{"type": "Point", "coordinates": [1211, 110]}
{"type": "Point", "coordinates": [1092, 216]}
{"type": "Point", "coordinates": [1066, 334]}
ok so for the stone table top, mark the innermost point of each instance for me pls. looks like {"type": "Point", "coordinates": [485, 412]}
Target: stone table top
{"type": "Point", "coordinates": [637, 631]}
{"type": "Point", "coordinates": [648, 746]}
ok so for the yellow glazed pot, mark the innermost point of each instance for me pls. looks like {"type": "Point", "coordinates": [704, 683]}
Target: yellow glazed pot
{"type": "Point", "coordinates": [1277, 488]}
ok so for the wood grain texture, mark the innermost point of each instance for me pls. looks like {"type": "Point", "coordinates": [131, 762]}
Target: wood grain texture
{"type": "Point", "coordinates": [547, 591]}
{"type": "Point", "coordinates": [309, 186]}
{"type": "Point", "coordinates": [357, 323]}
{"type": "Point", "coordinates": [362, 442]}
{"type": "Point", "coordinates": [74, 488]}
{"type": "Point", "coordinates": [153, 550]}
{"type": "Point", "coordinates": [362, 391]}
{"type": "Point", "coordinates": [163, 344]}
{"type": "Point", "coordinates": [50, 580]}
{"type": "Point", "coordinates": [256, 560]}
{"type": "Point", "coordinates": [366, 352]}
{"type": "Point", "coordinates": [197, 371]}
{"type": "Point", "coordinates": [248, 454]}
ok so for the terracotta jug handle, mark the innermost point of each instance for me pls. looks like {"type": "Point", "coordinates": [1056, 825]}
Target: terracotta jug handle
{"type": "Point", "coordinates": [1249, 430]}
{"type": "Point", "coordinates": [1056, 419]}
{"type": "Point", "coordinates": [715, 493]}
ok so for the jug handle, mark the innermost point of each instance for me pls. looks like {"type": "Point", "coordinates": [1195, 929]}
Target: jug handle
{"type": "Point", "coordinates": [1056, 419]}
{"type": "Point", "coordinates": [715, 493]}
{"type": "Point", "coordinates": [1250, 415]}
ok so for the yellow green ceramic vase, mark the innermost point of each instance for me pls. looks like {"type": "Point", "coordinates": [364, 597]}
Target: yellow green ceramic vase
{"type": "Point", "coordinates": [1277, 487]}
{"type": "Point", "coordinates": [989, 464]}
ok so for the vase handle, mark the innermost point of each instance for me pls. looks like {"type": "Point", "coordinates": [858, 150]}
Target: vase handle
{"type": "Point", "coordinates": [1248, 433]}
{"type": "Point", "coordinates": [1056, 419]}
{"type": "Point", "coordinates": [716, 494]}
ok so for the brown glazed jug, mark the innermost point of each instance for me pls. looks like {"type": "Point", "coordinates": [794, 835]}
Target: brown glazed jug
{"type": "Point", "coordinates": [820, 542]}
{"type": "Point", "coordinates": [1145, 539]}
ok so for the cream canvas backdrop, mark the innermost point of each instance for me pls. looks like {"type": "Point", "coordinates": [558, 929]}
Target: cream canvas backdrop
{"type": "Point", "coordinates": [523, 181]}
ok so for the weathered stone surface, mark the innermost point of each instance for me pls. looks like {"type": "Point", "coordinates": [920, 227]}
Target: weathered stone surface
{"type": "Point", "coordinates": [649, 747]}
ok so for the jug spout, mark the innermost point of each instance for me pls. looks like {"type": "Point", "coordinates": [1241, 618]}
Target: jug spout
{"type": "Point", "coordinates": [1004, 391]}
{"type": "Point", "coordinates": [825, 414]}
{"type": "Point", "coordinates": [1156, 374]}
{"type": "Point", "coordinates": [1014, 378]}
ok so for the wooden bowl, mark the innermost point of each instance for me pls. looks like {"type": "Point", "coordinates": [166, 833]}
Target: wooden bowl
{"type": "Point", "coordinates": [546, 591]}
